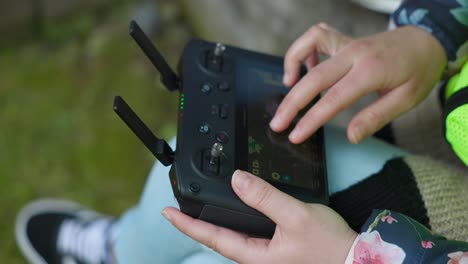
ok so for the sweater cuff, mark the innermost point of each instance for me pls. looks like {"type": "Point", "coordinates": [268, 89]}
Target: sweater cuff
{"type": "Point", "coordinates": [420, 13]}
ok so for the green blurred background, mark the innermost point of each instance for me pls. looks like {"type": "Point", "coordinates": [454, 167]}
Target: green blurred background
{"type": "Point", "coordinates": [59, 136]}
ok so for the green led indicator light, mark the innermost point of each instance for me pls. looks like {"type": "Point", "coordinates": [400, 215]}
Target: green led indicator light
{"type": "Point", "coordinates": [182, 99]}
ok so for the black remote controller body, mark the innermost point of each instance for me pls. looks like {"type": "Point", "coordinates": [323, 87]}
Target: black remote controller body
{"type": "Point", "coordinates": [227, 98]}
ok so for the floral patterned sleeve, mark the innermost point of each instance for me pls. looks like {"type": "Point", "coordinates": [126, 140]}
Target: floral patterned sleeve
{"type": "Point", "coordinates": [446, 20]}
{"type": "Point", "coordinates": [390, 237]}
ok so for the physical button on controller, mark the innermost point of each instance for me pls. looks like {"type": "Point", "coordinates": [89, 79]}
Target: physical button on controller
{"type": "Point", "coordinates": [215, 109]}
{"type": "Point", "coordinates": [195, 187]}
{"type": "Point", "coordinates": [204, 128]}
{"type": "Point", "coordinates": [206, 87]}
{"type": "Point", "coordinates": [223, 111]}
{"type": "Point", "coordinates": [222, 137]}
{"type": "Point", "coordinates": [223, 87]}
{"type": "Point", "coordinates": [220, 110]}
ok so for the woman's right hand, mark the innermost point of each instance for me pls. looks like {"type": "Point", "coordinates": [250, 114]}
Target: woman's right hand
{"type": "Point", "coordinates": [402, 65]}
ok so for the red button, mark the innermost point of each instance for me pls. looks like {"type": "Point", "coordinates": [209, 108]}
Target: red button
{"type": "Point", "coordinates": [222, 137]}
{"type": "Point", "coordinates": [223, 112]}
{"type": "Point", "coordinates": [214, 109]}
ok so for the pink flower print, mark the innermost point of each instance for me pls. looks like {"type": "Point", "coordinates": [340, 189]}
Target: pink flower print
{"type": "Point", "coordinates": [427, 244]}
{"type": "Point", "coordinates": [370, 248]}
{"type": "Point", "coordinates": [390, 219]}
{"type": "Point", "coordinates": [458, 257]}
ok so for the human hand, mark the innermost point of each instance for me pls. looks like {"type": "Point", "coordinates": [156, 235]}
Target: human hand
{"type": "Point", "coordinates": [304, 233]}
{"type": "Point", "coordinates": [402, 65]}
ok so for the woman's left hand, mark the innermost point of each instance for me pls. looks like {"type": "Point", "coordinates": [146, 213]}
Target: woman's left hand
{"type": "Point", "coordinates": [304, 233]}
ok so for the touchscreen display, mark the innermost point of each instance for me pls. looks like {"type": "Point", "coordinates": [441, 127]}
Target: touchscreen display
{"type": "Point", "coordinates": [270, 155]}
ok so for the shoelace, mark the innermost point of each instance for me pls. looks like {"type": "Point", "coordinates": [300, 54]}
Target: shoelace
{"type": "Point", "coordinates": [84, 241]}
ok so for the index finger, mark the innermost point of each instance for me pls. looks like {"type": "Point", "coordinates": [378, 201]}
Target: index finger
{"type": "Point", "coordinates": [319, 78]}
{"type": "Point", "coordinates": [303, 47]}
{"type": "Point", "coordinates": [343, 94]}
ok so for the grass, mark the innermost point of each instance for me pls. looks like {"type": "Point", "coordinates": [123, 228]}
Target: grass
{"type": "Point", "coordinates": [59, 136]}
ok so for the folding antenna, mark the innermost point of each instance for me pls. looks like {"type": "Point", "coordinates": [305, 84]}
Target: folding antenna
{"type": "Point", "coordinates": [160, 149]}
{"type": "Point", "coordinates": [168, 77]}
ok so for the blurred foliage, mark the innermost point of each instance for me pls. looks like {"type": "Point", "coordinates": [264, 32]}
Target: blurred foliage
{"type": "Point", "coordinates": [59, 136]}
{"type": "Point", "coordinates": [77, 27]}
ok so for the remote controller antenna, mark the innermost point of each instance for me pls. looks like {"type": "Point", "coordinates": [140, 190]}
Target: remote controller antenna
{"type": "Point", "coordinates": [168, 77]}
{"type": "Point", "coordinates": [157, 146]}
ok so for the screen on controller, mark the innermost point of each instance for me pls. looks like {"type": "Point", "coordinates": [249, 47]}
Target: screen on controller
{"type": "Point", "coordinates": [267, 154]}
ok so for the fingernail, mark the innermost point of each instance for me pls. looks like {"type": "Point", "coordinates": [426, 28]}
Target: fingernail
{"type": "Point", "coordinates": [241, 180]}
{"type": "Point", "coordinates": [356, 134]}
{"type": "Point", "coordinates": [286, 78]}
{"type": "Point", "coordinates": [275, 122]}
{"type": "Point", "coordinates": [295, 134]}
{"type": "Point", "coordinates": [166, 215]}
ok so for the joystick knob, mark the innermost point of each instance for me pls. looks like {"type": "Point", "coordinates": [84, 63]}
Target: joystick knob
{"type": "Point", "coordinates": [212, 159]}
{"type": "Point", "coordinates": [215, 58]}
{"type": "Point", "coordinates": [219, 50]}
{"type": "Point", "coordinates": [216, 151]}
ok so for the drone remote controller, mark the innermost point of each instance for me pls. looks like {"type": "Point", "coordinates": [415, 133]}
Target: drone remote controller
{"type": "Point", "coordinates": [227, 98]}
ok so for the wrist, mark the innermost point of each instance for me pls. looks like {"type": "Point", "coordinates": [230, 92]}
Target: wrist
{"type": "Point", "coordinates": [433, 47]}
{"type": "Point", "coordinates": [348, 247]}
{"type": "Point", "coordinates": [350, 257]}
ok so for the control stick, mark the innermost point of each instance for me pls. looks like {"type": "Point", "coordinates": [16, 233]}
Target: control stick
{"type": "Point", "coordinates": [216, 59]}
{"type": "Point", "coordinates": [219, 50]}
{"type": "Point", "coordinates": [216, 151]}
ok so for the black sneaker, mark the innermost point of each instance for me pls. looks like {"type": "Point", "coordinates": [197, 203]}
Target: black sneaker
{"type": "Point", "coordinates": [62, 232]}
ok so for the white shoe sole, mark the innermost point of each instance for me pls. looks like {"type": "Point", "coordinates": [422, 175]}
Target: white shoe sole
{"type": "Point", "coordinates": [382, 6]}
{"type": "Point", "coordinates": [38, 207]}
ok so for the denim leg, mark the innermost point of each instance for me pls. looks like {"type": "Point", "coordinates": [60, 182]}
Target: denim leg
{"type": "Point", "coordinates": [349, 163]}
{"type": "Point", "coordinates": [145, 236]}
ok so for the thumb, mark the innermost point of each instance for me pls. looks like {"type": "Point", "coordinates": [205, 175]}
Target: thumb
{"type": "Point", "coordinates": [260, 195]}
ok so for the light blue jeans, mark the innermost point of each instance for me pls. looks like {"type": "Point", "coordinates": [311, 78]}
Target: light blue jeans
{"type": "Point", "coordinates": [145, 236]}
